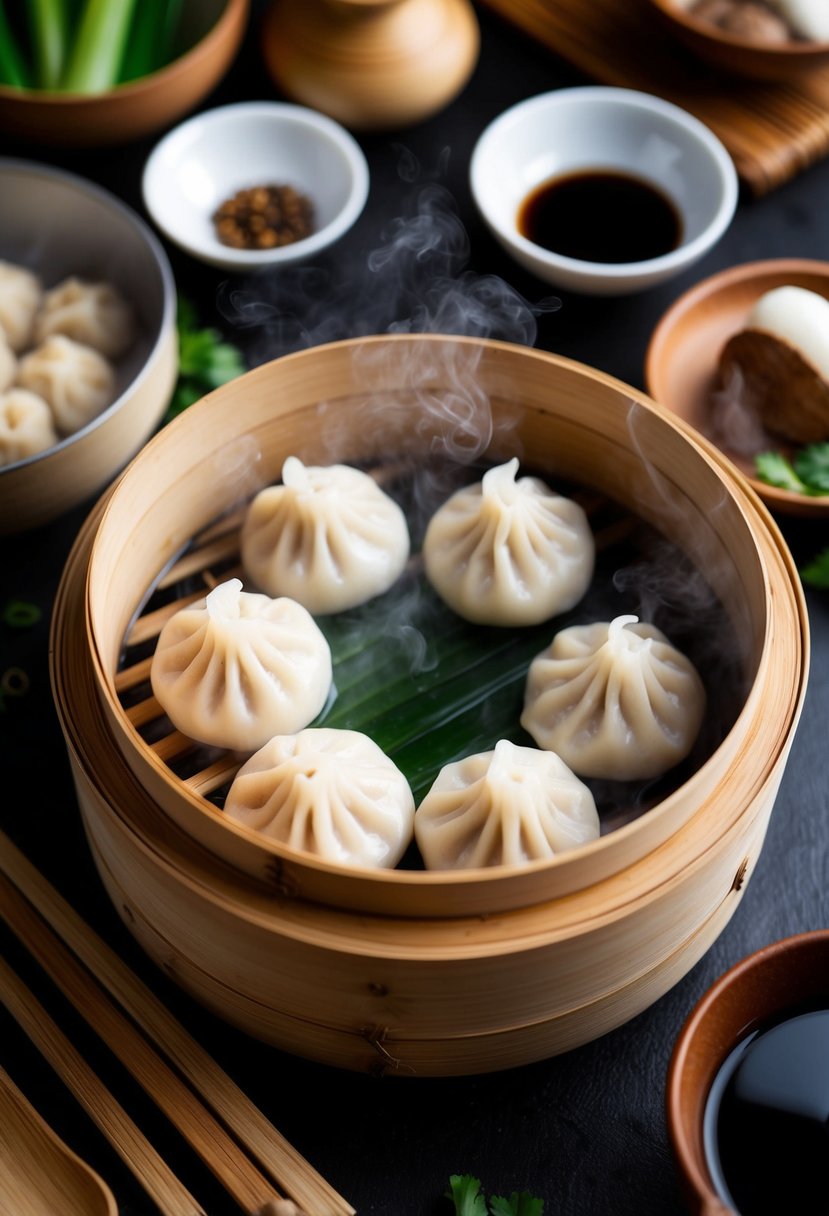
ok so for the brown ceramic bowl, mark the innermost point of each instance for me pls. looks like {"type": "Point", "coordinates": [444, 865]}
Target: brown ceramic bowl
{"type": "Point", "coordinates": [212, 29]}
{"type": "Point", "coordinates": [739, 56]}
{"type": "Point", "coordinates": [681, 360]}
{"type": "Point", "coordinates": [756, 991]}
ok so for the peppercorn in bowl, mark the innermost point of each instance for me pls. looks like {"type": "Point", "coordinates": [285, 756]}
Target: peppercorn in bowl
{"type": "Point", "coordinates": [249, 186]}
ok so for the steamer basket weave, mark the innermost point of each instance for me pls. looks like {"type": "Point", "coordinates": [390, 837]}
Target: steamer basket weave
{"type": "Point", "coordinates": [452, 973]}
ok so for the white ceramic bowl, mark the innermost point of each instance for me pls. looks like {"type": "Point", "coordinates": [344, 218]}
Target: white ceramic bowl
{"type": "Point", "coordinates": [207, 159]}
{"type": "Point", "coordinates": [58, 225]}
{"type": "Point", "coordinates": [603, 129]}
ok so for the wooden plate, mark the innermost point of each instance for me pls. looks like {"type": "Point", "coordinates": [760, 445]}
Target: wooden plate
{"type": "Point", "coordinates": [681, 360]}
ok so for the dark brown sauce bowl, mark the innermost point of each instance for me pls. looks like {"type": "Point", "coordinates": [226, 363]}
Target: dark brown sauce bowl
{"type": "Point", "coordinates": [764, 986]}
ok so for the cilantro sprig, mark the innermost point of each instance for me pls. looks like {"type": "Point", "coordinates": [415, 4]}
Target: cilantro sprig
{"type": "Point", "coordinates": [206, 360]}
{"type": "Point", "coordinates": [465, 1192]}
{"type": "Point", "coordinates": [816, 572]}
{"type": "Point", "coordinates": [806, 473]}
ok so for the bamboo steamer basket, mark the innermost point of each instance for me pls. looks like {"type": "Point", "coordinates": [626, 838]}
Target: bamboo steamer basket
{"type": "Point", "coordinates": [409, 972]}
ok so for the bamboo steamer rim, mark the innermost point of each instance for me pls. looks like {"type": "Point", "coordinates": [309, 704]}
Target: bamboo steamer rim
{"type": "Point", "coordinates": [772, 557]}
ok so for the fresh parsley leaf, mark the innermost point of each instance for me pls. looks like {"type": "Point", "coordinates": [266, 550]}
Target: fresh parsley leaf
{"type": "Point", "coordinates": [811, 464]}
{"type": "Point", "coordinates": [816, 573]}
{"type": "Point", "coordinates": [465, 1192]}
{"type": "Point", "coordinates": [206, 361]}
{"type": "Point", "coordinates": [518, 1204]}
{"type": "Point", "coordinates": [776, 470]}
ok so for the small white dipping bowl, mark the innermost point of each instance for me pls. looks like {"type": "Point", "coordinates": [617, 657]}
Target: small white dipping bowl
{"type": "Point", "coordinates": [603, 129]}
{"type": "Point", "coordinates": [205, 160]}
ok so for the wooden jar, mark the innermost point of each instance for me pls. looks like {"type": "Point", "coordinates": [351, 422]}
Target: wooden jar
{"type": "Point", "coordinates": [426, 973]}
{"type": "Point", "coordinates": [371, 64]}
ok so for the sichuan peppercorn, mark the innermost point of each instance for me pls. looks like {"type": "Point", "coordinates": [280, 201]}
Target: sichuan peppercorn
{"type": "Point", "coordinates": [264, 217]}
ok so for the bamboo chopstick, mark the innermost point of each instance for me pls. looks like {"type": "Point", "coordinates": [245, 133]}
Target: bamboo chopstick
{"type": "Point", "coordinates": [220, 1153]}
{"type": "Point", "coordinates": [291, 1172]}
{"type": "Point", "coordinates": [170, 1195]}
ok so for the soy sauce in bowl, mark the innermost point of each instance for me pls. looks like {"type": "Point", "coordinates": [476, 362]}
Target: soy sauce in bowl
{"type": "Point", "coordinates": [601, 216]}
{"type": "Point", "coordinates": [766, 1123]}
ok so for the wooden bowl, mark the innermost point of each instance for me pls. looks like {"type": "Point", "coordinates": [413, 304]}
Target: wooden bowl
{"type": "Point", "coordinates": [739, 56]}
{"type": "Point", "coordinates": [752, 994]}
{"type": "Point", "coordinates": [450, 973]}
{"type": "Point", "coordinates": [211, 29]}
{"type": "Point", "coordinates": [61, 225]}
{"type": "Point", "coordinates": [681, 359]}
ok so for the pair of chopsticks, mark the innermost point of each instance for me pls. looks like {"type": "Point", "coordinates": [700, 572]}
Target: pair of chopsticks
{"type": "Point", "coordinates": [82, 966]}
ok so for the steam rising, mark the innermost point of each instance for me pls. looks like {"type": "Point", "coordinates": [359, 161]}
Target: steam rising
{"type": "Point", "coordinates": [415, 281]}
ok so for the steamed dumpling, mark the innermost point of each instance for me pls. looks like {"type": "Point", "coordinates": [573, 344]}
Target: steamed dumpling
{"type": "Point", "coordinates": [20, 296]}
{"type": "Point", "coordinates": [8, 362]}
{"type": "Point", "coordinates": [510, 806]}
{"type": "Point", "coordinates": [509, 552]}
{"type": "Point", "coordinates": [328, 537]}
{"type": "Point", "coordinates": [26, 426]}
{"type": "Point", "coordinates": [614, 700]}
{"type": "Point", "coordinates": [329, 792]}
{"type": "Point", "coordinates": [95, 314]}
{"type": "Point", "coordinates": [235, 668]}
{"type": "Point", "coordinates": [75, 380]}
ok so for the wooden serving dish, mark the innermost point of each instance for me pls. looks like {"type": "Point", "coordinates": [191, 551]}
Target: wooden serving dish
{"type": "Point", "coordinates": [451, 972]}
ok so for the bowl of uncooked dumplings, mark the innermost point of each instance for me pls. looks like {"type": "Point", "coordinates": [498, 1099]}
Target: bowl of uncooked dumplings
{"type": "Point", "coordinates": [88, 353]}
{"type": "Point", "coordinates": [758, 39]}
{"type": "Point", "coordinates": [425, 723]}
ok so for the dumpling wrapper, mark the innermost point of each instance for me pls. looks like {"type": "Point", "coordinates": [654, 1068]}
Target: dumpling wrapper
{"type": "Point", "coordinates": [26, 426]}
{"type": "Point", "coordinates": [20, 298]}
{"type": "Point", "coordinates": [328, 537]}
{"type": "Point", "coordinates": [8, 362]}
{"type": "Point", "coordinates": [510, 806]}
{"type": "Point", "coordinates": [77, 382]}
{"type": "Point", "coordinates": [333, 793]}
{"type": "Point", "coordinates": [237, 668]}
{"type": "Point", "coordinates": [93, 313]}
{"type": "Point", "coordinates": [615, 700]}
{"type": "Point", "coordinates": [509, 552]}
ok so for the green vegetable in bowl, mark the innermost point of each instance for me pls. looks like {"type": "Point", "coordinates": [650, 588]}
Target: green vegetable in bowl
{"type": "Point", "coordinates": [806, 473]}
{"type": "Point", "coordinates": [85, 47]}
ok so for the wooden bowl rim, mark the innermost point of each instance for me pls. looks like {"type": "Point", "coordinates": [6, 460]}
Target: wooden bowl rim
{"type": "Point", "coordinates": [750, 510]}
{"type": "Point", "coordinates": [693, 1167]}
{"type": "Point", "coordinates": [234, 12]}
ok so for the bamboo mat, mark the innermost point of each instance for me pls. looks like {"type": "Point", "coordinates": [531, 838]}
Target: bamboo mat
{"type": "Point", "coordinates": [773, 131]}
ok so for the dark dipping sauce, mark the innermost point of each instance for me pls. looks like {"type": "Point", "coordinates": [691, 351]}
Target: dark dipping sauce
{"type": "Point", "coordinates": [600, 216]}
{"type": "Point", "coordinates": [765, 1128]}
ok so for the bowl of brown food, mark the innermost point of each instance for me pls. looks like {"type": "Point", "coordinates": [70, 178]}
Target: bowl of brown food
{"type": "Point", "coordinates": [757, 39]}
{"type": "Point", "coordinates": [741, 357]}
{"type": "Point", "coordinates": [82, 76]}
{"type": "Point", "coordinates": [255, 185]}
